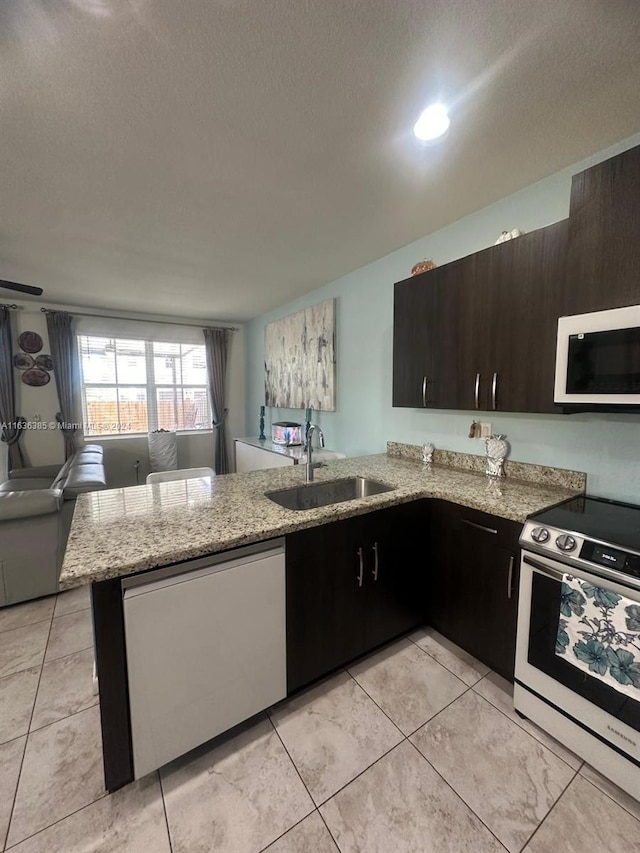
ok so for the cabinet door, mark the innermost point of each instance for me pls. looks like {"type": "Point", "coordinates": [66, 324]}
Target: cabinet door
{"type": "Point", "coordinates": [527, 282]}
{"type": "Point", "coordinates": [604, 250]}
{"type": "Point", "coordinates": [325, 601]}
{"type": "Point", "coordinates": [413, 317]}
{"type": "Point", "coordinates": [474, 581]}
{"type": "Point", "coordinates": [447, 388]}
{"type": "Point", "coordinates": [396, 543]}
{"type": "Point", "coordinates": [476, 322]}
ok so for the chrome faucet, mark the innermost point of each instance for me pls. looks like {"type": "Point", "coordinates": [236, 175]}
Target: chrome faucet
{"type": "Point", "coordinates": [310, 466]}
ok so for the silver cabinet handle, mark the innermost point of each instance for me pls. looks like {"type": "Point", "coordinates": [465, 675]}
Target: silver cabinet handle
{"type": "Point", "coordinates": [477, 391]}
{"type": "Point", "coordinates": [425, 382]}
{"type": "Point", "coordinates": [375, 561]}
{"type": "Point", "coordinates": [494, 388]}
{"type": "Point", "coordinates": [510, 578]}
{"type": "Point", "coordinates": [479, 526]}
{"type": "Point", "coordinates": [361, 573]}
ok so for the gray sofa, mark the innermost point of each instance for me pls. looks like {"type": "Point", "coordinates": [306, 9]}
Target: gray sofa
{"type": "Point", "coordinates": [36, 509]}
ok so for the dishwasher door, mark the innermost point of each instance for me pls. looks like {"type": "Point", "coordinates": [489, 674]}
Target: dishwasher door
{"type": "Point", "coordinates": [206, 649]}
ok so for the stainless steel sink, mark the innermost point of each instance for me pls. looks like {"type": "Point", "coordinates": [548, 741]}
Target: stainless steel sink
{"type": "Point", "coordinates": [314, 495]}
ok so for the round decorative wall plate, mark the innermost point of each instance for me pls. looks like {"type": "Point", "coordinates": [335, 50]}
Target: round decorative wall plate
{"type": "Point", "coordinates": [44, 361]}
{"type": "Point", "coordinates": [30, 342]}
{"type": "Point", "coordinates": [36, 377]}
{"type": "Point", "coordinates": [23, 361]}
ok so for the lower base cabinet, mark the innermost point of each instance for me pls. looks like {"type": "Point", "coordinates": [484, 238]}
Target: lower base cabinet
{"type": "Point", "coordinates": [353, 585]}
{"type": "Point", "coordinates": [473, 586]}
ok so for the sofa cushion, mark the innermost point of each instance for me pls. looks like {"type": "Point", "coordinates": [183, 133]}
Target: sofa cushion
{"type": "Point", "coordinates": [86, 457]}
{"type": "Point", "coordinates": [28, 484]}
{"type": "Point", "coordinates": [92, 448]}
{"type": "Point", "coordinates": [21, 504]}
{"type": "Point", "coordinates": [83, 478]}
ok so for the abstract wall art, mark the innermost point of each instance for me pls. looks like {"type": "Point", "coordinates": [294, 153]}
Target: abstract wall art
{"type": "Point", "coordinates": [300, 362]}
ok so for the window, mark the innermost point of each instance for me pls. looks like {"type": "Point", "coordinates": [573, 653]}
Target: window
{"type": "Point", "coordinates": [131, 386]}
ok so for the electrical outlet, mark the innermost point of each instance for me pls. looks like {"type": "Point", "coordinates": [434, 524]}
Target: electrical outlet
{"type": "Point", "coordinates": [485, 430]}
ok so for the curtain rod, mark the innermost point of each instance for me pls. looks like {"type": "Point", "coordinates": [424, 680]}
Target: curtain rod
{"type": "Point", "coordinates": [138, 320]}
{"type": "Point", "coordinates": [10, 305]}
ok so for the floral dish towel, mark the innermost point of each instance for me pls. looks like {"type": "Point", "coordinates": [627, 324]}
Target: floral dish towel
{"type": "Point", "coordinates": [599, 632]}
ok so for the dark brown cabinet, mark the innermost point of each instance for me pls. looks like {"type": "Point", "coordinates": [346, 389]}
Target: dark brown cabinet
{"type": "Point", "coordinates": [396, 544]}
{"type": "Point", "coordinates": [351, 586]}
{"type": "Point", "coordinates": [413, 348]}
{"type": "Point", "coordinates": [604, 249]}
{"type": "Point", "coordinates": [479, 333]}
{"type": "Point", "coordinates": [473, 589]}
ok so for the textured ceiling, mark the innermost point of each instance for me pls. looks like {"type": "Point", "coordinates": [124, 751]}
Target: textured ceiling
{"type": "Point", "coordinates": [219, 157]}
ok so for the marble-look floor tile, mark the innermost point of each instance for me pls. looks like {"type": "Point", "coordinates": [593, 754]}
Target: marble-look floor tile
{"type": "Point", "coordinates": [499, 692]}
{"type": "Point", "coordinates": [507, 777]}
{"type": "Point", "coordinates": [23, 648]}
{"type": "Point", "coordinates": [17, 695]}
{"type": "Point", "coordinates": [73, 600]}
{"type": "Point", "coordinates": [69, 634]}
{"type": "Point", "coordinates": [333, 732]}
{"type": "Point", "coordinates": [585, 819]}
{"type": "Point", "coordinates": [10, 761]}
{"type": "Point", "coordinates": [129, 821]}
{"type": "Point", "coordinates": [237, 794]}
{"type": "Point", "coordinates": [621, 797]}
{"type": "Point", "coordinates": [409, 685]}
{"type": "Point", "coordinates": [66, 687]}
{"type": "Point", "coordinates": [401, 805]}
{"type": "Point", "coordinates": [19, 615]}
{"type": "Point", "coordinates": [61, 773]}
{"type": "Point", "coordinates": [456, 660]}
{"type": "Point", "coordinates": [309, 836]}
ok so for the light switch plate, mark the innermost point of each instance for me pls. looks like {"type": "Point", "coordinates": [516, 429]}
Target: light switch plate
{"type": "Point", "coordinates": [485, 430]}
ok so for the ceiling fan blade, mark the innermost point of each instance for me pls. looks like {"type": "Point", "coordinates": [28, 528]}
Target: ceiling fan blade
{"type": "Point", "coordinates": [21, 288]}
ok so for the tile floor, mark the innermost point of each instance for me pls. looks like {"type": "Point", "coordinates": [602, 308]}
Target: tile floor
{"type": "Point", "coordinates": [413, 749]}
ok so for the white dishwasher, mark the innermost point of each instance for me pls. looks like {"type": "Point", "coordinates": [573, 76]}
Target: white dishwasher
{"type": "Point", "coordinates": [206, 649]}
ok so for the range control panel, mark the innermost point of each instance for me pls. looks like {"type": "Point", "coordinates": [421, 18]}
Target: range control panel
{"type": "Point", "coordinates": [550, 540]}
{"type": "Point", "coordinates": [572, 547]}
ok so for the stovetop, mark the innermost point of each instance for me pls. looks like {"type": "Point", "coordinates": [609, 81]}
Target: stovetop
{"type": "Point", "coordinates": [617, 524]}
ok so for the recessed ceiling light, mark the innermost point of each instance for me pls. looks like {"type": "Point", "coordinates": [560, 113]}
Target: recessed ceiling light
{"type": "Point", "coordinates": [433, 122]}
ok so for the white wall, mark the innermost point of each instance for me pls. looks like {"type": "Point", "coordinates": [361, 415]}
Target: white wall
{"type": "Point", "coordinates": [605, 446]}
{"type": "Point", "coordinates": [121, 453]}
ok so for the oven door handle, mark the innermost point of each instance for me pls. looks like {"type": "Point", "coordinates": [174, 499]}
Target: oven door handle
{"type": "Point", "coordinates": [542, 568]}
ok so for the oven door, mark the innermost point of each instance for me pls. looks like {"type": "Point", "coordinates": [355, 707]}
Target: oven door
{"type": "Point", "coordinates": [598, 358]}
{"type": "Point", "coordinates": [606, 712]}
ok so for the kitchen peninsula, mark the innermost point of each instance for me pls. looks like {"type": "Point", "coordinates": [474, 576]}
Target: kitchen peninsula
{"type": "Point", "coordinates": [338, 580]}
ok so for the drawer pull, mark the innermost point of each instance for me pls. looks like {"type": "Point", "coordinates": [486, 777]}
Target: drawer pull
{"type": "Point", "coordinates": [425, 382]}
{"type": "Point", "coordinates": [480, 526]}
{"type": "Point", "coordinates": [360, 576]}
{"type": "Point", "coordinates": [510, 578]}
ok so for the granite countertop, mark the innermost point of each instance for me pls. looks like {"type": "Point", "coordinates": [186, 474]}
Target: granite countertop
{"type": "Point", "coordinates": [123, 531]}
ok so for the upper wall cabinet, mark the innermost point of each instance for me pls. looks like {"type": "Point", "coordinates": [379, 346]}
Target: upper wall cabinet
{"type": "Point", "coordinates": [603, 269]}
{"type": "Point", "coordinates": [479, 333]}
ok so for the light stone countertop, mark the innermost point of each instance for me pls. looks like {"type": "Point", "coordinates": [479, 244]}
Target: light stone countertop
{"type": "Point", "coordinates": [124, 531]}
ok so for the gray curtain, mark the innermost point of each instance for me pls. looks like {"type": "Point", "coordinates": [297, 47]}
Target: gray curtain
{"type": "Point", "coordinates": [10, 431]}
{"type": "Point", "coordinates": [66, 369]}
{"type": "Point", "coordinates": [217, 349]}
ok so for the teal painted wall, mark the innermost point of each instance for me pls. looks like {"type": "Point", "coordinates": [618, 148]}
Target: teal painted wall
{"type": "Point", "coordinates": [607, 447]}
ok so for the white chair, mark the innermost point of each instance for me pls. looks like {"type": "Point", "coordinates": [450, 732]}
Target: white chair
{"type": "Point", "coordinates": [179, 474]}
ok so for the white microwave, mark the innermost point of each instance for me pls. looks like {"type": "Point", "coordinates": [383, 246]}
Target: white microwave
{"type": "Point", "coordinates": [598, 358]}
